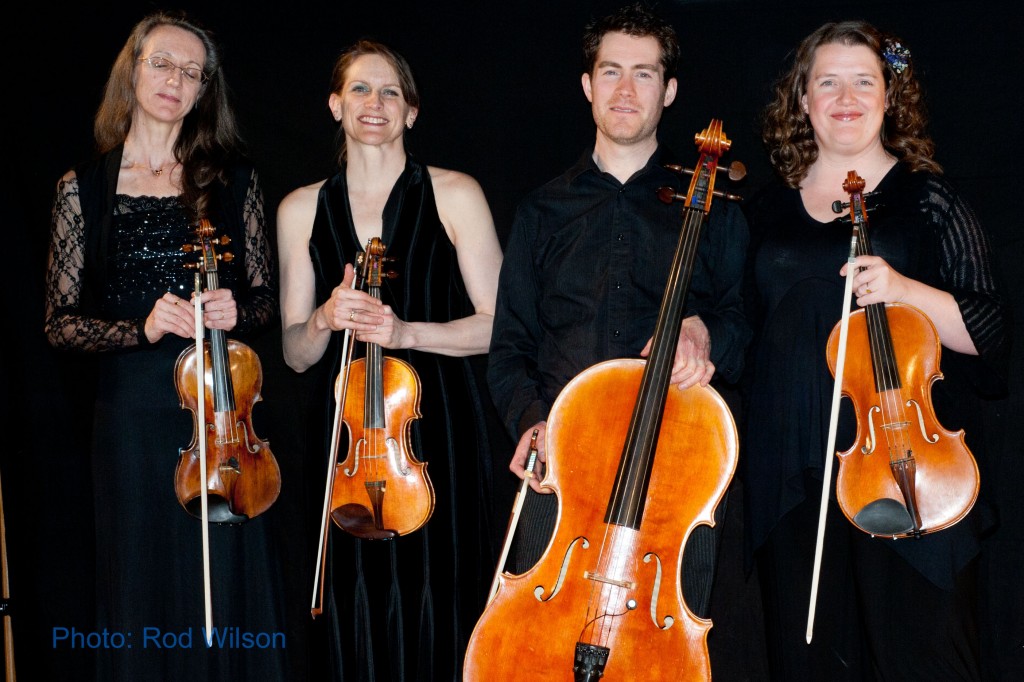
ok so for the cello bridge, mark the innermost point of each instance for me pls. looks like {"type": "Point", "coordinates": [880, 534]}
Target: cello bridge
{"type": "Point", "coordinates": [627, 584]}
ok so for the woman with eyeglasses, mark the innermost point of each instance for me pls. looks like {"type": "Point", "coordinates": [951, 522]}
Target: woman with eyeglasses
{"type": "Point", "coordinates": [118, 288]}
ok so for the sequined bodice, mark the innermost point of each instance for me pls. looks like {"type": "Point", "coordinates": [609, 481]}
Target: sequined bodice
{"type": "Point", "coordinates": [146, 255]}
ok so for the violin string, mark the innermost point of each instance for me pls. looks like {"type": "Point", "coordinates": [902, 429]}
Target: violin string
{"type": "Point", "coordinates": [886, 372]}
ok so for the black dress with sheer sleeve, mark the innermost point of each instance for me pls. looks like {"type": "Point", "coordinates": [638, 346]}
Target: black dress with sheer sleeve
{"type": "Point", "coordinates": [112, 256]}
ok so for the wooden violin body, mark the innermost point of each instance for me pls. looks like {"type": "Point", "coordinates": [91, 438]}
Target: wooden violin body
{"type": "Point", "coordinates": [381, 490]}
{"type": "Point", "coordinates": [636, 465]}
{"type": "Point", "coordinates": [905, 474]}
{"type": "Point", "coordinates": [897, 421]}
{"type": "Point", "coordinates": [242, 477]}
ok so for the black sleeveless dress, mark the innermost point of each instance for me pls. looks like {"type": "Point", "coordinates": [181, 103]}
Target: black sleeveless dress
{"type": "Point", "coordinates": [403, 609]}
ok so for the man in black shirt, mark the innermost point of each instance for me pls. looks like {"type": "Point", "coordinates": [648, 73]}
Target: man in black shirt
{"type": "Point", "coordinates": [587, 262]}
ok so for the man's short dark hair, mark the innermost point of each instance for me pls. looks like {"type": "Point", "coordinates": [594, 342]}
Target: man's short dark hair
{"type": "Point", "coordinates": [635, 20]}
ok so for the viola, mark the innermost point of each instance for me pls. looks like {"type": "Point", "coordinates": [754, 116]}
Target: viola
{"type": "Point", "coordinates": [642, 466]}
{"type": "Point", "coordinates": [905, 474]}
{"type": "Point", "coordinates": [242, 478]}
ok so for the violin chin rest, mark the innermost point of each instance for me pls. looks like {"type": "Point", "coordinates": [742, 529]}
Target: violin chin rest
{"type": "Point", "coordinates": [884, 516]}
{"type": "Point", "coordinates": [218, 509]}
{"type": "Point", "coordinates": [358, 520]}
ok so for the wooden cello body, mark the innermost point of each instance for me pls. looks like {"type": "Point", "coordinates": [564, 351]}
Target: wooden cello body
{"type": "Point", "coordinates": [905, 474]}
{"type": "Point", "coordinates": [636, 466]}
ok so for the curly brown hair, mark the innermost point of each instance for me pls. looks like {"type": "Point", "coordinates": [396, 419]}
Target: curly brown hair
{"type": "Point", "coordinates": [787, 131]}
{"type": "Point", "coordinates": [209, 140]}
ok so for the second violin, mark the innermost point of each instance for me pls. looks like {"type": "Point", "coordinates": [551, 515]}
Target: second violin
{"type": "Point", "coordinates": [380, 490]}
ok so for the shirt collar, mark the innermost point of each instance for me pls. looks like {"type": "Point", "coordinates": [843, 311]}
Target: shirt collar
{"type": "Point", "coordinates": [586, 164]}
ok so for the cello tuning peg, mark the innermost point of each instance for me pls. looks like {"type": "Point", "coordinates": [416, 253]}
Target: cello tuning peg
{"type": "Point", "coordinates": [226, 256]}
{"type": "Point", "coordinates": [188, 248]}
{"type": "Point", "coordinates": [737, 171]}
{"type": "Point", "coordinates": [222, 240]}
{"type": "Point", "coordinates": [668, 195]}
{"type": "Point", "coordinates": [191, 266]}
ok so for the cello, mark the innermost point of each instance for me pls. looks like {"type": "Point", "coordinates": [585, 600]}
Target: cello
{"type": "Point", "coordinates": [242, 477]}
{"type": "Point", "coordinates": [642, 466]}
{"type": "Point", "coordinates": [381, 490]}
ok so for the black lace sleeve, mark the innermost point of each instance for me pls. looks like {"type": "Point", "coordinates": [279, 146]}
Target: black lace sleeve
{"type": "Point", "coordinates": [257, 307]}
{"type": "Point", "coordinates": [66, 327]}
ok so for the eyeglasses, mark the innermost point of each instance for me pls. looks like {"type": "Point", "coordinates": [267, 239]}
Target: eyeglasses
{"type": "Point", "coordinates": [190, 74]}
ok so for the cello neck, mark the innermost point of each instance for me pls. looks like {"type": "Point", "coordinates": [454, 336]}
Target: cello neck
{"type": "Point", "coordinates": [626, 506]}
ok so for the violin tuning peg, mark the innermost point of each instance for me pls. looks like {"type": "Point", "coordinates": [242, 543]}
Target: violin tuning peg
{"type": "Point", "coordinates": [222, 240]}
{"type": "Point", "coordinates": [188, 248]}
{"type": "Point", "coordinates": [191, 266]}
{"type": "Point", "coordinates": [226, 256]}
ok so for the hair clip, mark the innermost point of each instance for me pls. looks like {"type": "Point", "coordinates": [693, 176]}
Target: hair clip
{"type": "Point", "coordinates": [897, 56]}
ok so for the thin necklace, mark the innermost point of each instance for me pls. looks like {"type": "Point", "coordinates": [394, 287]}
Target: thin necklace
{"type": "Point", "coordinates": [154, 171]}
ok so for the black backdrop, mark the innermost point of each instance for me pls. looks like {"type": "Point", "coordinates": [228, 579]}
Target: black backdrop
{"type": "Point", "coordinates": [501, 100]}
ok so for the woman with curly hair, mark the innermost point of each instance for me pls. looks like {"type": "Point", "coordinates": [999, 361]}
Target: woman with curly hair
{"type": "Point", "coordinates": [885, 609]}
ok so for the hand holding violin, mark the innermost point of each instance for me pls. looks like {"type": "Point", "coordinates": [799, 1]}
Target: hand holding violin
{"type": "Point", "coordinates": [174, 315]}
{"type": "Point", "coordinates": [350, 308]}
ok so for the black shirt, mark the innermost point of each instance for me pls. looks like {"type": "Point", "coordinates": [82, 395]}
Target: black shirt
{"type": "Point", "coordinates": [582, 281]}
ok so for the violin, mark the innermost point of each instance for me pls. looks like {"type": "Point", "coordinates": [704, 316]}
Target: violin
{"type": "Point", "coordinates": [381, 490]}
{"type": "Point", "coordinates": [242, 478]}
{"type": "Point", "coordinates": [905, 474]}
{"type": "Point", "coordinates": [642, 466]}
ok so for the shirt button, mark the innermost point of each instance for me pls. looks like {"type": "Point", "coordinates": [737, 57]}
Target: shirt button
{"type": "Point", "coordinates": [619, 236]}
{"type": "Point", "coordinates": [616, 333]}
{"type": "Point", "coordinates": [618, 285]}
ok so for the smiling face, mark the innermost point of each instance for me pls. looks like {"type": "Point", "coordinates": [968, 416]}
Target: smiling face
{"type": "Point", "coordinates": [845, 98]}
{"type": "Point", "coordinates": [165, 94]}
{"type": "Point", "coordinates": [371, 105]}
{"type": "Point", "coordinates": [627, 89]}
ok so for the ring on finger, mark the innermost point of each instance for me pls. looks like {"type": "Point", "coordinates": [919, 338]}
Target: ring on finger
{"type": "Point", "coordinates": [352, 315]}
